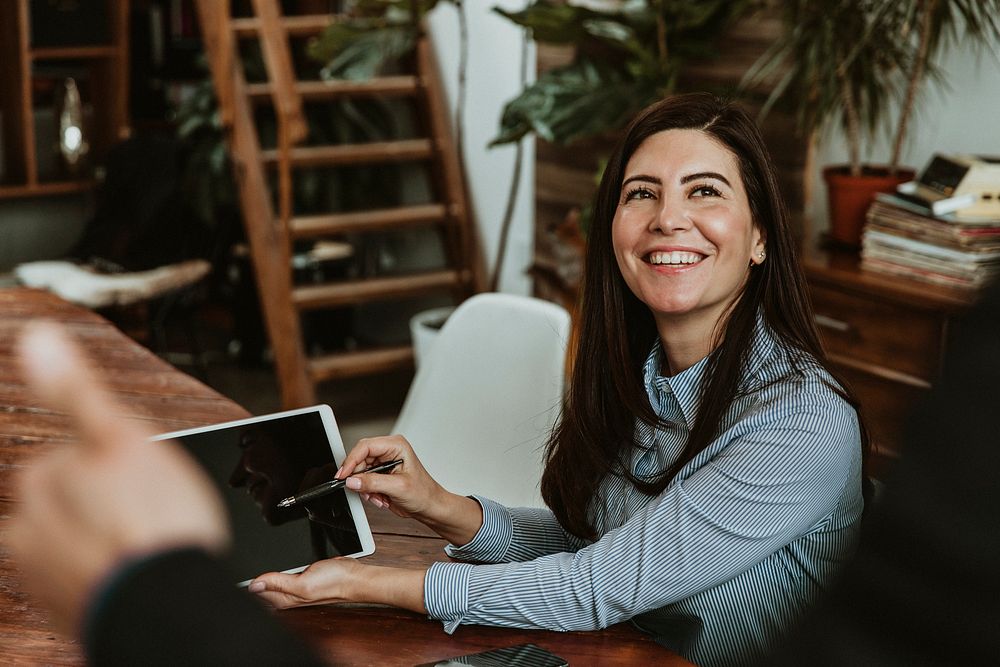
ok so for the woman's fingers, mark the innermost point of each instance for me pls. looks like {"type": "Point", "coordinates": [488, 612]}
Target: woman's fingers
{"type": "Point", "coordinates": [278, 589]}
{"type": "Point", "coordinates": [393, 485]}
{"type": "Point", "coordinates": [407, 490]}
{"type": "Point", "coordinates": [369, 451]}
{"type": "Point", "coordinates": [376, 499]}
{"type": "Point", "coordinates": [322, 582]}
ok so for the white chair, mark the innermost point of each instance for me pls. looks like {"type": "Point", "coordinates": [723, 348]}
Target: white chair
{"type": "Point", "coordinates": [486, 396]}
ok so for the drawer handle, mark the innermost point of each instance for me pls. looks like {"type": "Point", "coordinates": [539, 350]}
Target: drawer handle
{"type": "Point", "coordinates": [831, 323]}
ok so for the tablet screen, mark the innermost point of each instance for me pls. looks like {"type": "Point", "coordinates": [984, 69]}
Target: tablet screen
{"type": "Point", "coordinates": [255, 463]}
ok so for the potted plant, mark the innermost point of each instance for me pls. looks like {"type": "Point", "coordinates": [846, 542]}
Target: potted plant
{"type": "Point", "coordinates": [848, 61]}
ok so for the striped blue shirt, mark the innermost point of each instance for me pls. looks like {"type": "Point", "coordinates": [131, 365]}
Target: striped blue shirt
{"type": "Point", "coordinates": [721, 563]}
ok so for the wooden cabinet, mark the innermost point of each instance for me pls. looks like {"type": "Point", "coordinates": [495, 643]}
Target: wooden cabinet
{"type": "Point", "coordinates": [34, 62]}
{"type": "Point", "coordinates": [886, 335]}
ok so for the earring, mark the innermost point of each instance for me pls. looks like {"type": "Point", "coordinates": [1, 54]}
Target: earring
{"type": "Point", "coordinates": [762, 255]}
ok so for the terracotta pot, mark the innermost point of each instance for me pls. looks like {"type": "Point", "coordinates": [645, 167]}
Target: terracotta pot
{"type": "Point", "coordinates": [850, 196]}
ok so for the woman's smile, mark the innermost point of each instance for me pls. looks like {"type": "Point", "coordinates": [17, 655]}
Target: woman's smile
{"type": "Point", "coordinates": [674, 258]}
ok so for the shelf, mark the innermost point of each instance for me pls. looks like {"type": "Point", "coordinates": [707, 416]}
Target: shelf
{"type": "Point", "coordinates": [44, 189]}
{"type": "Point", "coordinates": [32, 66]}
{"type": "Point", "coordinates": [74, 52]}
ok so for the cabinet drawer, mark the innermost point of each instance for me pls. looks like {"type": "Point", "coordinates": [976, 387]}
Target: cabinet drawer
{"type": "Point", "coordinates": [887, 407]}
{"type": "Point", "coordinates": [881, 333]}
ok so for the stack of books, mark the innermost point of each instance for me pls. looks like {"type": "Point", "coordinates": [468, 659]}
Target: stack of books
{"type": "Point", "coordinates": [906, 238]}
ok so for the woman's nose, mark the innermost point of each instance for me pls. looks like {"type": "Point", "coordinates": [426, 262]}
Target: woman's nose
{"type": "Point", "coordinates": [670, 217]}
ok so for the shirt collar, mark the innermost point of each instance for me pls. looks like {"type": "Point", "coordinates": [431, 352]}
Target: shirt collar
{"type": "Point", "coordinates": [686, 385]}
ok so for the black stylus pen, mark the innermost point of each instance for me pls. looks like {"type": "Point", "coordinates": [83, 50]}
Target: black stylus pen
{"type": "Point", "coordinates": [333, 485]}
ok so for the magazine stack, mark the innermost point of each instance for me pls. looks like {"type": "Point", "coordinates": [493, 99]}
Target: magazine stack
{"type": "Point", "coordinates": [951, 240]}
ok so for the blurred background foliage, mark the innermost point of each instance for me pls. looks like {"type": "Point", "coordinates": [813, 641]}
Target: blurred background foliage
{"type": "Point", "coordinates": [625, 59]}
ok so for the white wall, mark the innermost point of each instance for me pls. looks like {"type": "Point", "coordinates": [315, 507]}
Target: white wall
{"type": "Point", "coordinates": [493, 77]}
{"type": "Point", "coordinates": [959, 117]}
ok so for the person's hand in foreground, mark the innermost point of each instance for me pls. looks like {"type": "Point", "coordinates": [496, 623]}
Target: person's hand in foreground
{"type": "Point", "coordinates": [90, 506]}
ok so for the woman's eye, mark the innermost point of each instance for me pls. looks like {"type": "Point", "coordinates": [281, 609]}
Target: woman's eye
{"type": "Point", "coordinates": [706, 191]}
{"type": "Point", "coordinates": [639, 193]}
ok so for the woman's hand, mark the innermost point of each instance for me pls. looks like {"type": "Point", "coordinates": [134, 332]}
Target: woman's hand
{"type": "Point", "coordinates": [409, 491]}
{"type": "Point", "coordinates": [342, 580]}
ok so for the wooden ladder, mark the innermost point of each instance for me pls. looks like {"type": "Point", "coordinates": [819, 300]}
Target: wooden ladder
{"type": "Point", "coordinates": [271, 233]}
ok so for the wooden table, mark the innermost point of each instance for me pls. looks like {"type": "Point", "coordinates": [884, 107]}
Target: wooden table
{"type": "Point", "coordinates": [169, 400]}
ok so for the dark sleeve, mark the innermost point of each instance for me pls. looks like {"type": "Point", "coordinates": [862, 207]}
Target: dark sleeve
{"type": "Point", "coordinates": [183, 608]}
{"type": "Point", "coordinates": [925, 587]}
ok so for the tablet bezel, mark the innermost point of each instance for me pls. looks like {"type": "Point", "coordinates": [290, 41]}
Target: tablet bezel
{"type": "Point", "coordinates": [337, 449]}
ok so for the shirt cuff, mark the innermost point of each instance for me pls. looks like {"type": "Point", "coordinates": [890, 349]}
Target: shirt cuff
{"type": "Point", "coordinates": [446, 593]}
{"type": "Point", "coordinates": [493, 540]}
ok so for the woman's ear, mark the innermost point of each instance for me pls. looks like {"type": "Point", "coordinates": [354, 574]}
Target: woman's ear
{"type": "Point", "coordinates": [759, 252]}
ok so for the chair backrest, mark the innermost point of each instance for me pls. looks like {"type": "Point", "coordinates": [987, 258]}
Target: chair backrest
{"type": "Point", "coordinates": [485, 398]}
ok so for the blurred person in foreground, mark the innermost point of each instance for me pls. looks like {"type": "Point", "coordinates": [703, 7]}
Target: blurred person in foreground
{"type": "Point", "coordinates": [124, 541]}
{"type": "Point", "coordinates": [924, 588]}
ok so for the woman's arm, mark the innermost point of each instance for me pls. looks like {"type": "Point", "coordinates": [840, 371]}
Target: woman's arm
{"type": "Point", "coordinates": [768, 487]}
{"type": "Point", "coordinates": [345, 579]}
{"type": "Point", "coordinates": [510, 534]}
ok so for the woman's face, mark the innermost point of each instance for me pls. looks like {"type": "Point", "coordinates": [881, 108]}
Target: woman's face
{"type": "Point", "coordinates": [683, 234]}
{"type": "Point", "coordinates": [266, 473]}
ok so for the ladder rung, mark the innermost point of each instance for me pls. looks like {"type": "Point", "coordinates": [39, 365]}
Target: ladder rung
{"type": "Point", "coordinates": [330, 295]}
{"type": "Point", "coordinates": [361, 362]}
{"type": "Point", "coordinates": [373, 152]}
{"type": "Point", "coordinates": [309, 226]}
{"type": "Point", "coordinates": [294, 25]}
{"type": "Point", "coordinates": [322, 90]}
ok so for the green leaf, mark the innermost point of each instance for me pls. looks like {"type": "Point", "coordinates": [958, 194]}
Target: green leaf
{"type": "Point", "coordinates": [611, 31]}
{"type": "Point", "coordinates": [568, 103]}
{"type": "Point", "coordinates": [189, 126]}
{"type": "Point", "coordinates": [551, 22]}
{"type": "Point", "coordinates": [359, 52]}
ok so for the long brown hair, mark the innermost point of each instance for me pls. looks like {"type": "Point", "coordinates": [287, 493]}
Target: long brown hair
{"type": "Point", "coordinates": [606, 392]}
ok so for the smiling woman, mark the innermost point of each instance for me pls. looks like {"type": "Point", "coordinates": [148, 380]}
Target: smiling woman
{"type": "Point", "coordinates": [705, 477]}
{"type": "Point", "coordinates": [684, 237]}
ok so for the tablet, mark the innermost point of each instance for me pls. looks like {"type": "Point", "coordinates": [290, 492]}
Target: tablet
{"type": "Point", "coordinates": [257, 462]}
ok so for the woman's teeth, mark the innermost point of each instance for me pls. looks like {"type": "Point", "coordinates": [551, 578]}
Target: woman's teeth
{"type": "Point", "coordinates": [674, 257]}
